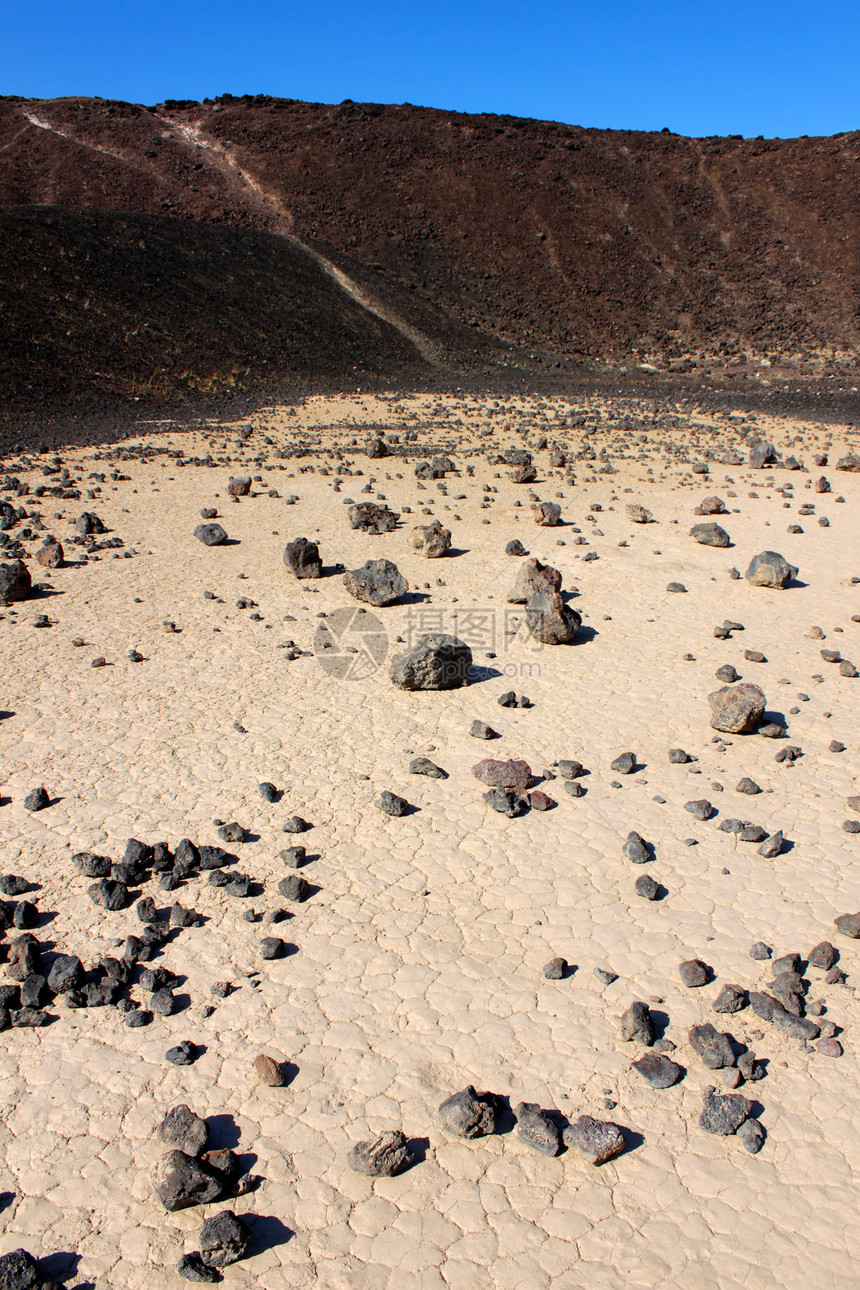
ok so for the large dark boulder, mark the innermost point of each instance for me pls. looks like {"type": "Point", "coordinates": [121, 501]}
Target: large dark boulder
{"type": "Point", "coordinates": [370, 517]}
{"type": "Point", "coordinates": [15, 583]}
{"type": "Point", "coordinates": [770, 569]}
{"type": "Point", "coordinates": [737, 709]}
{"type": "Point", "coordinates": [550, 620]}
{"type": "Point", "coordinates": [302, 558]}
{"type": "Point", "coordinates": [438, 662]}
{"type": "Point", "coordinates": [179, 1181]}
{"type": "Point", "coordinates": [377, 583]}
{"type": "Point", "coordinates": [210, 534]}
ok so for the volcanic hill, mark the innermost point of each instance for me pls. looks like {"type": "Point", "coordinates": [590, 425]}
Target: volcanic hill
{"type": "Point", "coordinates": [181, 249]}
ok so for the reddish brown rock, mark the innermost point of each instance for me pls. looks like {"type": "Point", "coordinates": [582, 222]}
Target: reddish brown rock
{"type": "Point", "coordinates": [503, 774]}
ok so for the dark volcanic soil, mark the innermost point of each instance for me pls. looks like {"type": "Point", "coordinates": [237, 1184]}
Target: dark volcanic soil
{"type": "Point", "coordinates": [484, 240]}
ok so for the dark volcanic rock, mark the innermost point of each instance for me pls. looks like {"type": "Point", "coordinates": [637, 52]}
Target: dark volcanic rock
{"type": "Point", "coordinates": [848, 925]}
{"type": "Point", "coordinates": [179, 1181]}
{"type": "Point", "coordinates": [377, 583]}
{"type": "Point", "coordinates": [710, 534]}
{"type": "Point", "coordinates": [714, 1047]}
{"type": "Point", "coordinates": [20, 1271]}
{"type": "Point", "coordinates": [770, 569]}
{"type": "Point", "coordinates": [724, 1115]}
{"type": "Point", "coordinates": [383, 1156]}
{"type": "Point", "coordinates": [596, 1140]}
{"type": "Point", "coordinates": [822, 955]}
{"type": "Point", "coordinates": [732, 998]}
{"type": "Point", "coordinates": [636, 1024]}
{"type": "Point", "coordinates": [223, 1239]}
{"type": "Point", "coordinates": [506, 802]}
{"type": "Point", "coordinates": [550, 620]}
{"type": "Point", "coordinates": [636, 848]}
{"type": "Point", "coordinates": [470, 1114]}
{"type": "Point", "coordinates": [391, 804]}
{"type": "Point", "coordinates": [694, 973]}
{"type": "Point", "coordinates": [737, 709]}
{"type": "Point", "coordinates": [438, 662]}
{"type": "Point", "coordinates": [657, 1070]}
{"type": "Point", "coordinates": [370, 517]}
{"type": "Point", "coordinates": [109, 894]}
{"type": "Point", "coordinates": [503, 774]}
{"type": "Point", "coordinates": [211, 534]}
{"type": "Point", "coordinates": [67, 973]}
{"type": "Point", "coordinates": [431, 539]}
{"type": "Point", "coordinates": [424, 766]}
{"type": "Point", "coordinates": [536, 1129]}
{"type": "Point", "coordinates": [15, 583]}
{"type": "Point", "coordinates": [532, 577]}
{"type": "Point", "coordinates": [182, 1129]}
{"type": "Point", "coordinates": [302, 558]}
{"type": "Point", "coordinates": [192, 1268]}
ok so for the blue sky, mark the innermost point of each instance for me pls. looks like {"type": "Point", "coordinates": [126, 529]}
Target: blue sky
{"type": "Point", "coordinates": [717, 68]}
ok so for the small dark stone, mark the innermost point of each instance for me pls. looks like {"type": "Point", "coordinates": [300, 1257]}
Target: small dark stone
{"type": "Point", "coordinates": [178, 1181]}
{"type": "Point", "coordinates": [211, 534]}
{"type": "Point", "coordinates": [382, 1157]}
{"type": "Point", "coordinates": [109, 894]}
{"type": "Point", "coordinates": [646, 887]}
{"type": "Point", "coordinates": [272, 947]}
{"type": "Point", "coordinates": [555, 969]}
{"type": "Point", "coordinates": [424, 766]}
{"type": "Point", "coordinates": [391, 804]}
{"type": "Point", "coordinates": [469, 1114]}
{"type": "Point", "coordinates": [37, 800]}
{"type": "Point", "coordinates": [636, 1024]}
{"type": "Point", "coordinates": [536, 1129]}
{"type": "Point", "coordinates": [732, 998]}
{"type": "Point", "coordinates": [636, 849]}
{"type": "Point", "coordinates": [223, 1239]}
{"type": "Point", "coordinates": [183, 1129]}
{"type": "Point", "coordinates": [657, 1070]}
{"type": "Point", "coordinates": [506, 802]}
{"type": "Point", "coordinates": [752, 1134]}
{"type": "Point", "coordinates": [192, 1268]}
{"type": "Point", "coordinates": [67, 973]}
{"type": "Point", "coordinates": [724, 1115]}
{"type": "Point", "coordinates": [596, 1140]}
{"type": "Point", "coordinates": [138, 1017]}
{"type": "Point", "coordinates": [694, 973]}
{"type": "Point", "coordinates": [823, 955]}
{"type": "Point", "coordinates": [183, 1054]}
{"type": "Point", "coordinates": [714, 1047]}
{"type": "Point", "coordinates": [294, 887]}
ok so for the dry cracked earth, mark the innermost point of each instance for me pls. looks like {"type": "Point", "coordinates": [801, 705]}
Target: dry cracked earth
{"type": "Point", "coordinates": [415, 967]}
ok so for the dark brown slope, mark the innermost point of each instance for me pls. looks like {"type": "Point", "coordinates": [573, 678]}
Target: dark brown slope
{"type": "Point", "coordinates": [615, 246]}
{"type": "Point", "coordinates": [97, 306]}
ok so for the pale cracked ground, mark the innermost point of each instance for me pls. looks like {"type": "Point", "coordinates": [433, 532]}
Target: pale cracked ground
{"type": "Point", "coordinates": [418, 962]}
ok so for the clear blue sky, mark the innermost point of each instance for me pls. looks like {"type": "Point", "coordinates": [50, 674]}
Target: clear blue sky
{"type": "Point", "coordinates": [715, 67]}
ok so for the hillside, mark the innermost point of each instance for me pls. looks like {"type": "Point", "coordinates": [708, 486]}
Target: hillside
{"type": "Point", "coordinates": [478, 239]}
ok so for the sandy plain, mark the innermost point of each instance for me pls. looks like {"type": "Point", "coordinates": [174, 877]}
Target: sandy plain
{"type": "Point", "coordinates": [418, 961]}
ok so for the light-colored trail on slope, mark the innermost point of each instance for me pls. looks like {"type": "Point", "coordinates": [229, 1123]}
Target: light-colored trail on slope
{"type": "Point", "coordinates": [228, 164]}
